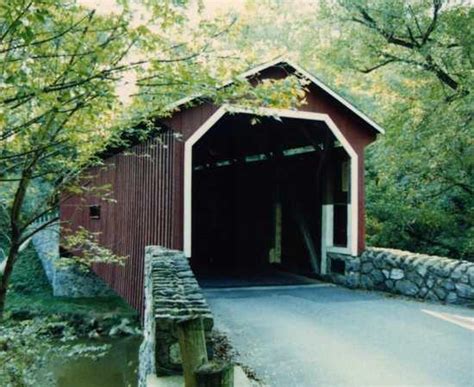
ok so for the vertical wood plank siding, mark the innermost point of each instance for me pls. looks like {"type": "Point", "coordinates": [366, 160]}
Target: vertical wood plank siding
{"type": "Point", "coordinates": [148, 186]}
{"type": "Point", "coordinates": [147, 210]}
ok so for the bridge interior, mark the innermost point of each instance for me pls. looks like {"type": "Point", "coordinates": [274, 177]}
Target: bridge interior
{"type": "Point", "coordinates": [257, 193]}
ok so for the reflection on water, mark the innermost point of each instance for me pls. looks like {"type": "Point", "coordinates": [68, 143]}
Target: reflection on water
{"type": "Point", "coordinates": [118, 368]}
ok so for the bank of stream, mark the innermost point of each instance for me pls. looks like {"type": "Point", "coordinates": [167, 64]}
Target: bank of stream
{"type": "Point", "coordinates": [116, 365]}
{"type": "Point", "coordinates": [48, 341]}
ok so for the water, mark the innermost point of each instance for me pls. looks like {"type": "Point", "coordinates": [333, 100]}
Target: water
{"type": "Point", "coordinates": [117, 368]}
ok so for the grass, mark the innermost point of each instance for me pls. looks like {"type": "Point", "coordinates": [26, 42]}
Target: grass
{"type": "Point", "coordinates": [30, 293]}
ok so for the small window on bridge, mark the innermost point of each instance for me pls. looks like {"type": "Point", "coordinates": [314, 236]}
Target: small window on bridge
{"type": "Point", "coordinates": [94, 212]}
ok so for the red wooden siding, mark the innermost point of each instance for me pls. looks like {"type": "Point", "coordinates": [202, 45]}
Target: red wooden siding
{"type": "Point", "coordinates": [146, 185]}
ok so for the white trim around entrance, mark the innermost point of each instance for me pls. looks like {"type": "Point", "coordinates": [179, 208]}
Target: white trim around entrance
{"type": "Point", "coordinates": [285, 113]}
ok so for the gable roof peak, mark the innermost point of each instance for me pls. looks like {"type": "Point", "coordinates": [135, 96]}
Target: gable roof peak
{"type": "Point", "coordinates": [313, 79]}
{"type": "Point", "coordinates": [282, 60]}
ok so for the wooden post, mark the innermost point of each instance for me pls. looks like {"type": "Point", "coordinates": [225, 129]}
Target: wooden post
{"type": "Point", "coordinates": [275, 251]}
{"type": "Point", "coordinates": [192, 344]}
{"type": "Point", "coordinates": [215, 374]}
{"type": "Point", "coordinates": [308, 239]}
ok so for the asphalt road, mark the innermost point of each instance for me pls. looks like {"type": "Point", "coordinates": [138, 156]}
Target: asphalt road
{"type": "Point", "coordinates": [323, 335]}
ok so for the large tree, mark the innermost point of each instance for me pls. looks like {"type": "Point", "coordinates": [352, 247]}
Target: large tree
{"type": "Point", "coordinates": [59, 68]}
{"type": "Point", "coordinates": [417, 58]}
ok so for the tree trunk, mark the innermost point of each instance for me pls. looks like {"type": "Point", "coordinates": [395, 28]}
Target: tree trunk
{"type": "Point", "coordinates": [6, 276]}
{"type": "Point", "coordinates": [16, 231]}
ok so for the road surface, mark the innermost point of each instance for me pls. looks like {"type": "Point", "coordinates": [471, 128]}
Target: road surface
{"type": "Point", "coordinates": [324, 335]}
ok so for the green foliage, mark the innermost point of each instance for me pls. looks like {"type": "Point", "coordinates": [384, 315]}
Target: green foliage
{"type": "Point", "coordinates": [87, 249]}
{"type": "Point", "coordinates": [28, 277]}
{"type": "Point", "coordinates": [30, 294]}
{"type": "Point", "coordinates": [38, 327]}
{"type": "Point", "coordinates": [60, 65]}
{"type": "Point", "coordinates": [418, 57]}
{"type": "Point", "coordinates": [24, 349]}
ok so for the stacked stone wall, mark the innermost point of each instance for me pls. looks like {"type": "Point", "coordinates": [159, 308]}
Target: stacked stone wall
{"type": "Point", "coordinates": [66, 280]}
{"type": "Point", "coordinates": [176, 295]}
{"type": "Point", "coordinates": [416, 275]}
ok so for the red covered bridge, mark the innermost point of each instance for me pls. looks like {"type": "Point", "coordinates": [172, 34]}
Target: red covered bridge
{"type": "Point", "coordinates": [233, 193]}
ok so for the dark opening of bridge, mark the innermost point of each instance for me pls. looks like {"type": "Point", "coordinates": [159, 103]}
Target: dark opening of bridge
{"type": "Point", "coordinates": [257, 194]}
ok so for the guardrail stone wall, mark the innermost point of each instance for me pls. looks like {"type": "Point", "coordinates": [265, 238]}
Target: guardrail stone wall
{"type": "Point", "coordinates": [175, 294]}
{"type": "Point", "coordinates": [416, 275]}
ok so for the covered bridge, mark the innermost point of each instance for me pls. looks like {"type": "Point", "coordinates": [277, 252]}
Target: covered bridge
{"type": "Point", "coordinates": [233, 193]}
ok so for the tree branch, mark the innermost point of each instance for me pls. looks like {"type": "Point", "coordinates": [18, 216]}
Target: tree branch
{"type": "Point", "coordinates": [377, 66]}
{"type": "Point", "coordinates": [46, 40]}
{"type": "Point", "coordinates": [42, 227]}
{"type": "Point", "coordinates": [17, 19]}
{"type": "Point", "coordinates": [437, 4]}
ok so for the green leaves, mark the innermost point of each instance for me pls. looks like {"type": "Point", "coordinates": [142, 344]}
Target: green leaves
{"type": "Point", "coordinates": [88, 250]}
{"type": "Point", "coordinates": [420, 185]}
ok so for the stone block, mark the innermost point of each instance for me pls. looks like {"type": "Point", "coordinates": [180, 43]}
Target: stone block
{"type": "Point", "coordinates": [396, 274]}
{"type": "Point", "coordinates": [391, 261]}
{"type": "Point", "coordinates": [464, 279]}
{"type": "Point", "coordinates": [465, 291]}
{"type": "Point", "coordinates": [406, 288]}
{"type": "Point", "coordinates": [423, 292]}
{"type": "Point", "coordinates": [379, 263]}
{"type": "Point", "coordinates": [430, 281]}
{"type": "Point", "coordinates": [448, 284]}
{"type": "Point", "coordinates": [174, 354]}
{"type": "Point", "coordinates": [366, 282]}
{"type": "Point", "coordinates": [353, 265]}
{"type": "Point", "coordinates": [377, 277]}
{"type": "Point", "coordinates": [470, 274]}
{"type": "Point", "coordinates": [452, 298]}
{"type": "Point", "coordinates": [414, 277]}
{"type": "Point", "coordinates": [421, 268]}
{"type": "Point", "coordinates": [367, 267]}
{"type": "Point", "coordinates": [431, 296]}
{"type": "Point", "coordinates": [353, 280]}
{"type": "Point", "coordinates": [457, 273]}
{"type": "Point", "coordinates": [440, 292]}
{"type": "Point", "coordinates": [389, 284]}
{"type": "Point", "coordinates": [440, 269]}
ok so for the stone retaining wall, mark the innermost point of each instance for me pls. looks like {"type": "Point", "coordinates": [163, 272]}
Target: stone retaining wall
{"type": "Point", "coordinates": [176, 295]}
{"type": "Point", "coordinates": [147, 351]}
{"type": "Point", "coordinates": [66, 280]}
{"type": "Point", "coordinates": [416, 275]}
